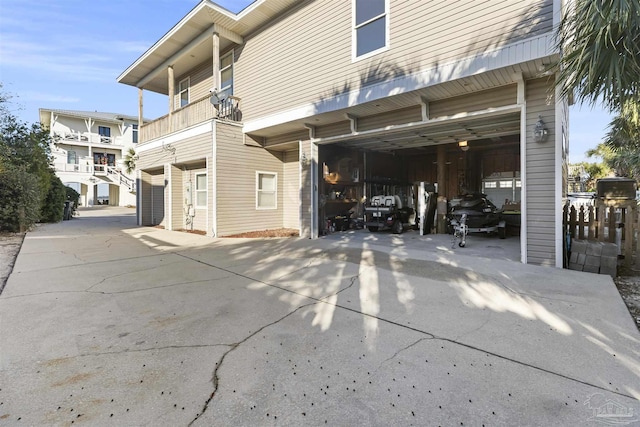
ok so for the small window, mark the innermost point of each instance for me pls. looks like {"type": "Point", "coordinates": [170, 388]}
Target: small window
{"type": "Point", "coordinates": [266, 190]}
{"type": "Point", "coordinates": [105, 134]}
{"type": "Point", "coordinates": [490, 184]}
{"type": "Point", "coordinates": [134, 134]}
{"type": "Point", "coordinates": [518, 183]}
{"type": "Point", "coordinates": [183, 91]}
{"type": "Point", "coordinates": [370, 29]}
{"type": "Point", "coordinates": [201, 190]}
{"type": "Point", "coordinates": [72, 158]}
{"type": "Point", "coordinates": [226, 74]}
{"type": "Point", "coordinates": [506, 184]}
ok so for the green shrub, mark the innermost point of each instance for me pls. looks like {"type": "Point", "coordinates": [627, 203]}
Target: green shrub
{"type": "Point", "coordinates": [20, 199]}
{"type": "Point", "coordinates": [53, 205]}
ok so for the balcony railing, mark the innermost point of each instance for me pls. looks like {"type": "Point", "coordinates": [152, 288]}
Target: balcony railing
{"type": "Point", "coordinates": [87, 138]}
{"type": "Point", "coordinates": [194, 113]}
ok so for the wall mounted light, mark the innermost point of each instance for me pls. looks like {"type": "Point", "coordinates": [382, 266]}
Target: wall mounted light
{"type": "Point", "coordinates": [540, 132]}
{"type": "Point", "coordinates": [464, 146]}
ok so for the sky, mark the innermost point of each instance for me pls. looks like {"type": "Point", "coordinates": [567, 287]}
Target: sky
{"type": "Point", "coordinates": [67, 54]}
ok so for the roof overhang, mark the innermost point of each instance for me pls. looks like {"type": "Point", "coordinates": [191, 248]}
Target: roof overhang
{"type": "Point", "coordinates": [190, 41]}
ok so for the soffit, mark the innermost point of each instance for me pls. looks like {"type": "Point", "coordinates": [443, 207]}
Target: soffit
{"type": "Point", "coordinates": [189, 28]}
{"type": "Point", "coordinates": [490, 80]}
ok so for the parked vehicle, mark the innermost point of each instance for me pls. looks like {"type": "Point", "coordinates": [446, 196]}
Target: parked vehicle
{"type": "Point", "coordinates": [388, 212]}
{"type": "Point", "coordinates": [480, 216]}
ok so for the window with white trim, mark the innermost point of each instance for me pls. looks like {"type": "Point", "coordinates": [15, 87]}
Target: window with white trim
{"type": "Point", "coordinates": [201, 190]}
{"type": "Point", "coordinates": [266, 190]}
{"type": "Point", "coordinates": [134, 134]}
{"type": "Point", "coordinates": [370, 26]}
{"type": "Point", "coordinates": [226, 74]}
{"type": "Point", "coordinates": [183, 91]}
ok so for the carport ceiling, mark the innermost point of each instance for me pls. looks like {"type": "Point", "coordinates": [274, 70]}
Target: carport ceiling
{"type": "Point", "coordinates": [446, 132]}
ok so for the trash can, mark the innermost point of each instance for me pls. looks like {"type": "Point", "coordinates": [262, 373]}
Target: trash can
{"type": "Point", "coordinates": [67, 211]}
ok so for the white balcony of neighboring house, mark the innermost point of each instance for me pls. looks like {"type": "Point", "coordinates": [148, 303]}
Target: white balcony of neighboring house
{"type": "Point", "coordinates": [85, 138]}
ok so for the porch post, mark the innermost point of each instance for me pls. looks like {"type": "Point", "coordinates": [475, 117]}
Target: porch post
{"type": "Point", "coordinates": [441, 226]}
{"type": "Point", "coordinates": [216, 60]}
{"type": "Point", "coordinates": [140, 105]}
{"type": "Point", "coordinates": [171, 82]}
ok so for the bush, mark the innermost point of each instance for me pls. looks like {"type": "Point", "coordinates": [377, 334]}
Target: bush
{"type": "Point", "coordinates": [53, 205]}
{"type": "Point", "coordinates": [20, 199]}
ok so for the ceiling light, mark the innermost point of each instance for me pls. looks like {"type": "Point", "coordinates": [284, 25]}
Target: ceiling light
{"type": "Point", "coordinates": [464, 146]}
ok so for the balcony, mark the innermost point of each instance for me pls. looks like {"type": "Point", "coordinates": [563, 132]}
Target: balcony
{"type": "Point", "coordinates": [192, 114]}
{"type": "Point", "coordinates": [87, 138]}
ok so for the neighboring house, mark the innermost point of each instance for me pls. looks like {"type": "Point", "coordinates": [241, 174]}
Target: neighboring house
{"type": "Point", "coordinates": [89, 149]}
{"type": "Point", "coordinates": [292, 111]}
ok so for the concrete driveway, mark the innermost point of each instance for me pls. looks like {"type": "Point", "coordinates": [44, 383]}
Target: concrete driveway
{"type": "Point", "coordinates": [106, 323]}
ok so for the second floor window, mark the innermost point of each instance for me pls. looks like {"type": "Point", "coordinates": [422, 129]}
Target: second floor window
{"type": "Point", "coordinates": [105, 134]}
{"type": "Point", "coordinates": [134, 134]}
{"type": "Point", "coordinates": [370, 26]}
{"type": "Point", "coordinates": [183, 91]}
{"type": "Point", "coordinates": [226, 74]}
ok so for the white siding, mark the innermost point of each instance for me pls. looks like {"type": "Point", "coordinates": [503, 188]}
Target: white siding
{"type": "Point", "coordinates": [237, 164]}
{"type": "Point", "coordinates": [291, 54]}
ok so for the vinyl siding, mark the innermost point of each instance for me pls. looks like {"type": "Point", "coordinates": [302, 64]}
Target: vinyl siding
{"type": "Point", "coordinates": [291, 190]}
{"type": "Point", "coordinates": [195, 148]}
{"type": "Point", "coordinates": [494, 98]}
{"type": "Point", "coordinates": [177, 210]}
{"type": "Point", "coordinates": [292, 52]}
{"type": "Point", "coordinates": [200, 82]}
{"type": "Point", "coordinates": [237, 164]}
{"type": "Point", "coordinates": [540, 176]}
{"type": "Point", "coordinates": [305, 191]}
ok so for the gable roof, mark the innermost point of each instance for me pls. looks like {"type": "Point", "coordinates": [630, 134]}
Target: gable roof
{"type": "Point", "coordinates": [188, 43]}
{"type": "Point", "coordinates": [45, 115]}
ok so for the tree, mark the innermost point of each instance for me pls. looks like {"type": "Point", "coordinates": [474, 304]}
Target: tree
{"type": "Point", "coordinates": [601, 52]}
{"type": "Point", "coordinates": [130, 160]}
{"type": "Point", "coordinates": [29, 189]}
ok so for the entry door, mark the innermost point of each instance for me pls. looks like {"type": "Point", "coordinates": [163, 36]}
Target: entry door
{"type": "Point", "coordinates": [157, 200]}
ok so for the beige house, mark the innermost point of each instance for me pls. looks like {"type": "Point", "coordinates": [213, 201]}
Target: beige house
{"type": "Point", "coordinates": [291, 111]}
{"type": "Point", "coordinates": [89, 149]}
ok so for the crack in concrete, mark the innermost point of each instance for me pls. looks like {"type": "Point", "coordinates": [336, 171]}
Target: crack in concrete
{"type": "Point", "coordinates": [116, 292]}
{"type": "Point", "coordinates": [136, 350]}
{"type": "Point", "coordinates": [234, 346]}
{"type": "Point", "coordinates": [353, 281]}
{"type": "Point", "coordinates": [431, 336]}
{"type": "Point", "coordinates": [126, 273]}
{"type": "Point", "coordinates": [403, 349]}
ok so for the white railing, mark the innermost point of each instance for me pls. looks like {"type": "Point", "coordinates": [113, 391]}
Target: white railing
{"type": "Point", "coordinates": [85, 137]}
{"type": "Point", "coordinates": [196, 112]}
{"type": "Point", "coordinates": [72, 167]}
{"type": "Point", "coordinates": [114, 174]}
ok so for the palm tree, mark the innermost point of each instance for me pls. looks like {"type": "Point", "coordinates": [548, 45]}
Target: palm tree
{"type": "Point", "coordinates": [130, 160]}
{"type": "Point", "coordinates": [600, 41]}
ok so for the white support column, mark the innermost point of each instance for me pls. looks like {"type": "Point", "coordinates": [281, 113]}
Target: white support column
{"type": "Point", "coordinates": [523, 169]}
{"type": "Point", "coordinates": [216, 60]}
{"type": "Point", "coordinates": [212, 174]}
{"type": "Point", "coordinates": [171, 85]}
{"type": "Point", "coordinates": [91, 194]}
{"type": "Point", "coordinates": [314, 189]}
{"type": "Point", "coordinates": [139, 196]}
{"type": "Point", "coordinates": [140, 109]}
{"type": "Point", "coordinates": [168, 214]}
{"type": "Point", "coordinates": [560, 106]}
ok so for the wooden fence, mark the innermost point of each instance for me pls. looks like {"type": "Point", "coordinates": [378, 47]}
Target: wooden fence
{"type": "Point", "coordinates": [614, 221]}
